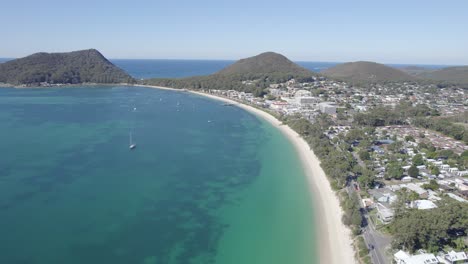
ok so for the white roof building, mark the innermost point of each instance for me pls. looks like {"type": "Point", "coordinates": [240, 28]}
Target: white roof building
{"type": "Point", "coordinates": [302, 93]}
{"type": "Point", "coordinates": [456, 257]}
{"type": "Point", "coordinates": [402, 257]}
{"type": "Point", "coordinates": [407, 179]}
{"type": "Point", "coordinates": [384, 214]}
{"type": "Point", "coordinates": [306, 100]}
{"type": "Point", "coordinates": [423, 204]}
{"type": "Point", "coordinates": [414, 187]}
{"type": "Point", "coordinates": [327, 108]}
{"type": "Point", "coordinates": [456, 197]}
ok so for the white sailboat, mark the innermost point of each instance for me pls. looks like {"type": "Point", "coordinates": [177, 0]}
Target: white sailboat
{"type": "Point", "coordinates": [132, 145]}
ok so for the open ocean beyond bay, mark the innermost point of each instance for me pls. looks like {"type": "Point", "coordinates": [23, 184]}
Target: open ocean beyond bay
{"type": "Point", "coordinates": [144, 69]}
{"type": "Point", "coordinates": [207, 183]}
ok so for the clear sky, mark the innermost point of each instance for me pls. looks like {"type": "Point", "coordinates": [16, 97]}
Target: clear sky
{"type": "Point", "coordinates": [387, 31]}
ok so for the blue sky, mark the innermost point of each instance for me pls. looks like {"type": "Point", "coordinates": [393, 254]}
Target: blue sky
{"type": "Point", "coordinates": [397, 31]}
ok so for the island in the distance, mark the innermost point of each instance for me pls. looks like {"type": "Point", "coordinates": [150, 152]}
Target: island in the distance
{"type": "Point", "coordinates": [77, 67]}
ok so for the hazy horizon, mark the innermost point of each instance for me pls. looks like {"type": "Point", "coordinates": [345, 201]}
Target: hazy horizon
{"type": "Point", "coordinates": [396, 32]}
{"type": "Point", "coordinates": [4, 59]}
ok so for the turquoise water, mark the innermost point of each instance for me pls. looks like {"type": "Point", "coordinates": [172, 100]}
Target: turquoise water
{"type": "Point", "coordinates": [206, 184]}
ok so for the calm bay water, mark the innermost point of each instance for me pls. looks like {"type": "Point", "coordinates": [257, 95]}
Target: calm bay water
{"type": "Point", "coordinates": [206, 184]}
{"type": "Point", "coordinates": [226, 191]}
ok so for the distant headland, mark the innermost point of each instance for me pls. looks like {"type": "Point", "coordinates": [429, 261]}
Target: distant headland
{"type": "Point", "coordinates": [252, 74]}
{"type": "Point", "coordinates": [77, 67]}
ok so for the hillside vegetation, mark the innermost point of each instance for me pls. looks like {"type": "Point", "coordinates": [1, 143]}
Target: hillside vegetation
{"type": "Point", "coordinates": [264, 63]}
{"type": "Point", "coordinates": [251, 74]}
{"type": "Point", "coordinates": [85, 66]}
{"type": "Point", "coordinates": [449, 74]}
{"type": "Point", "coordinates": [365, 72]}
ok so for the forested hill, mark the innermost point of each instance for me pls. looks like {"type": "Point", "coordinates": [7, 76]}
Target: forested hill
{"type": "Point", "coordinates": [251, 74]}
{"type": "Point", "coordinates": [450, 74]}
{"type": "Point", "coordinates": [264, 63]}
{"type": "Point", "coordinates": [84, 66]}
{"type": "Point", "coordinates": [365, 72]}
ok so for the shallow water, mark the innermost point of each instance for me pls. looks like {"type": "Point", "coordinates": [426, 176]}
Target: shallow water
{"type": "Point", "coordinates": [206, 184]}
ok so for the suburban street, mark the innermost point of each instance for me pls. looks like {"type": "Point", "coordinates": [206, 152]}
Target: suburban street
{"type": "Point", "coordinates": [379, 241]}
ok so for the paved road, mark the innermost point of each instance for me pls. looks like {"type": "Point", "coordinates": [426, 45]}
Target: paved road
{"type": "Point", "coordinates": [379, 241]}
{"type": "Point", "coordinates": [371, 236]}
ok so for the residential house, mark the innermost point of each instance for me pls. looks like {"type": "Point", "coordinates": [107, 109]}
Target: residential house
{"type": "Point", "coordinates": [423, 205]}
{"type": "Point", "coordinates": [384, 213]}
{"type": "Point", "coordinates": [402, 257]}
{"type": "Point", "coordinates": [327, 108]}
{"type": "Point", "coordinates": [453, 257]}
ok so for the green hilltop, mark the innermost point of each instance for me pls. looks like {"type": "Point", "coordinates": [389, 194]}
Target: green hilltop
{"type": "Point", "coordinates": [366, 72]}
{"type": "Point", "coordinates": [252, 74]}
{"type": "Point", "coordinates": [264, 63]}
{"type": "Point", "coordinates": [457, 74]}
{"type": "Point", "coordinates": [84, 66]}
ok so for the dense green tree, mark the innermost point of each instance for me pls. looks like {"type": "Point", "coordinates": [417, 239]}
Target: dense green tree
{"type": "Point", "coordinates": [418, 160]}
{"type": "Point", "coordinates": [435, 170]}
{"type": "Point", "coordinates": [443, 125]}
{"type": "Point", "coordinates": [364, 155]}
{"type": "Point", "coordinates": [432, 185]}
{"type": "Point", "coordinates": [366, 179]}
{"type": "Point", "coordinates": [430, 229]}
{"type": "Point", "coordinates": [395, 146]}
{"type": "Point", "coordinates": [394, 171]}
{"type": "Point", "coordinates": [354, 134]}
{"type": "Point", "coordinates": [365, 144]}
{"type": "Point", "coordinates": [464, 154]}
{"type": "Point", "coordinates": [413, 171]}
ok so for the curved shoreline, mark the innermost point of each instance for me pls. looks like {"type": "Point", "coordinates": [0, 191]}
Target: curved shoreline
{"type": "Point", "coordinates": [334, 238]}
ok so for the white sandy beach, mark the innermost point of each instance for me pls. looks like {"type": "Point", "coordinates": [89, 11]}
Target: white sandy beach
{"type": "Point", "coordinates": [334, 238]}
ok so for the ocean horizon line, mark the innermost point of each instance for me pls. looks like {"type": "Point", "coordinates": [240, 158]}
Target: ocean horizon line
{"type": "Point", "coordinates": [399, 64]}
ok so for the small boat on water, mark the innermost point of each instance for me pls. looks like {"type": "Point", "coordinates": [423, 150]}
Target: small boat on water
{"type": "Point", "coordinates": [132, 145]}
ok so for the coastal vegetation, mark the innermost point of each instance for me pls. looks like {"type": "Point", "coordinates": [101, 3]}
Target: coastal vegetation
{"type": "Point", "coordinates": [404, 114]}
{"type": "Point", "coordinates": [457, 74]}
{"type": "Point", "coordinates": [398, 115]}
{"type": "Point", "coordinates": [434, 229]}
{"type": "Point", "coordinates": [340, 167]}
{"type": "Point", "coordinates": [337, 164]}
{"type": "Point", "coordinates": [445, 126]}
{"type": "Point", "coordinates": [253, 75]}
{"type": "Point", "coordinates": [84, 66]}
{"type": "Point", "coordinates": [365, 72]}
{"type": "Point", "coordinates": [348, 174]}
